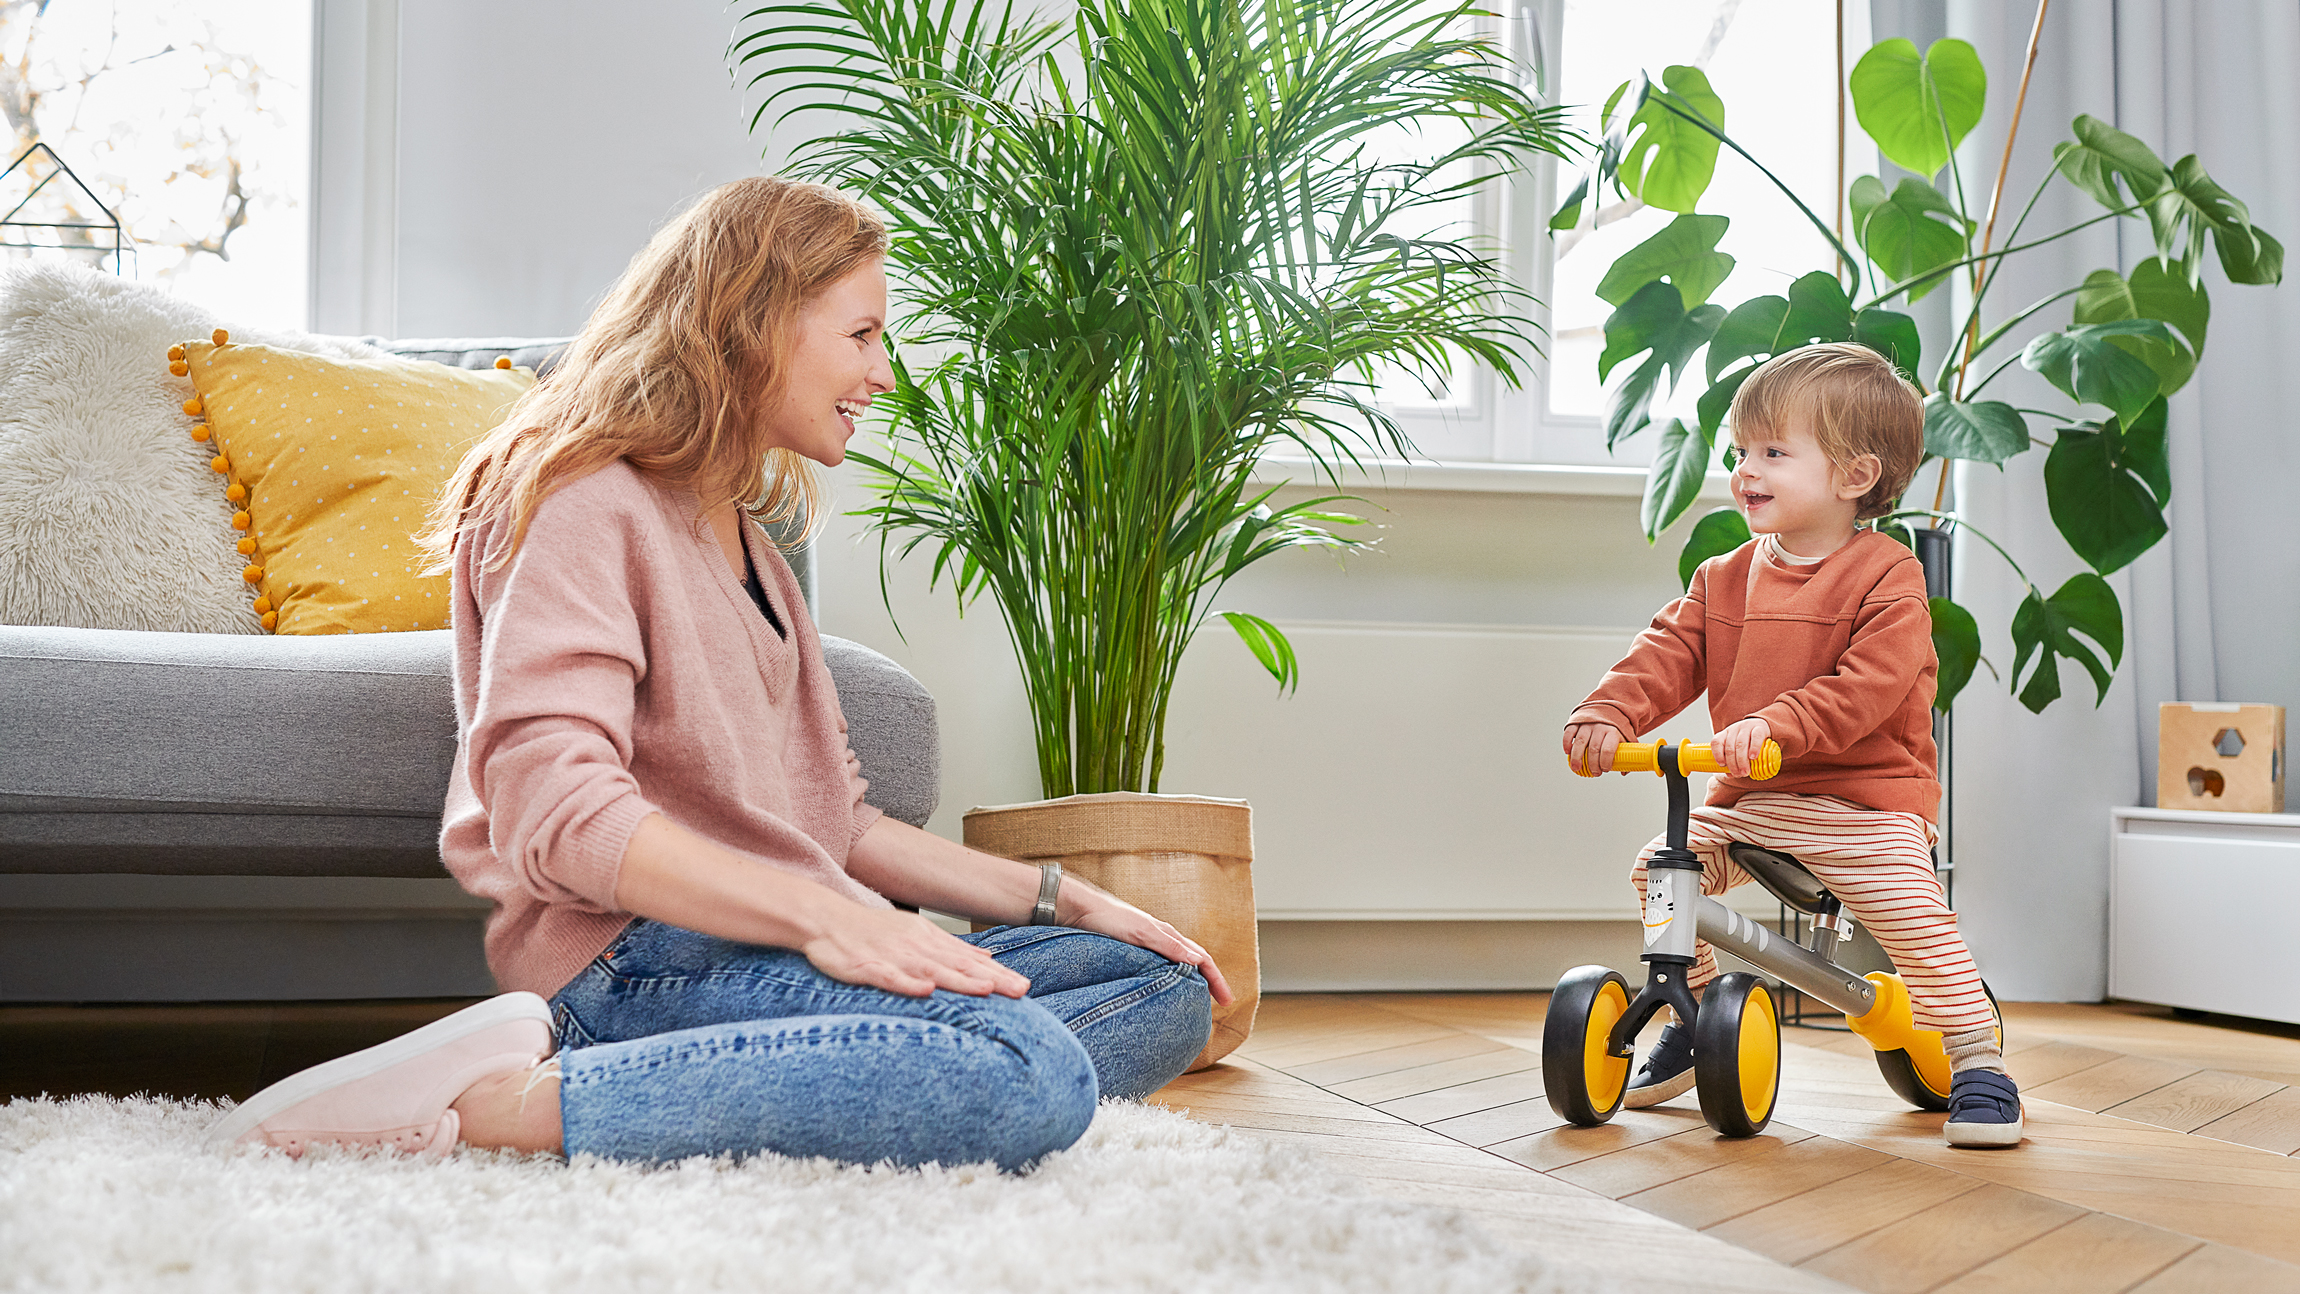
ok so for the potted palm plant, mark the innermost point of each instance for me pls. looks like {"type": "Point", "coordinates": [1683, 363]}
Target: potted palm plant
{"type": "Point", "coordinates": [1150, 242]}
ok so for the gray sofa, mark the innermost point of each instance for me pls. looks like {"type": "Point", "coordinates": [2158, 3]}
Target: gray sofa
{"type": "Point", "coordinates": [217, 816]}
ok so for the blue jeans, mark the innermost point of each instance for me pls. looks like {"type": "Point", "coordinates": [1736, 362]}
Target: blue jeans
{"type": "Point", "coordinates": [674, 1043]}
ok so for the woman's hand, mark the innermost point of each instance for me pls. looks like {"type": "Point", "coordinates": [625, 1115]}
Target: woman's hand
{"type": "Point", "coordinates": [681, 879]}
{"type": "Point", "coordinates": [903, 952]}
{"type": "Point", "coordinates": [1105, 913]}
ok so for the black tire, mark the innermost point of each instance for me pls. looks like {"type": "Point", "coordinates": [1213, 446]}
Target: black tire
{"type": "Point", "coordinates": [1737, 1054]}
{"type": "Point", "coordinates": [1584, 1084]}
{"type": "Point", "coordinates": [1901, 1072]}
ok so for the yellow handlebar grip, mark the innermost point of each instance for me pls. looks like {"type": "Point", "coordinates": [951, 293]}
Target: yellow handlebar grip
{"type": "Point", "coordinates": [1696, 758]}
{"type": "Point", "coordinates": [1692, 757]}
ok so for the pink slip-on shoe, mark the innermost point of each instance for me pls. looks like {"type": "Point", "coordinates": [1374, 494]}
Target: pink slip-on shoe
{"type": "Point", "coordinates": [396, 1093]}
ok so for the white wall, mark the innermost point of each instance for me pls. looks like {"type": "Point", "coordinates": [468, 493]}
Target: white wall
{"type": "Point", "coordinates": [540, 142]}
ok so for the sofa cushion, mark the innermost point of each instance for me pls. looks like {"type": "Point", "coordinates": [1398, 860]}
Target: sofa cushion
{"type": "Point", "coordinates": [228, 755]}
{"type": "Point", "coordinates": [335, 463]}
{"type": "Point", "coordinates": [108, 512]}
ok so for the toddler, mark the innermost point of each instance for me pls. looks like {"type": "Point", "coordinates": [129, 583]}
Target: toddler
{"type": "Point", "coordinates": [1816, 634]}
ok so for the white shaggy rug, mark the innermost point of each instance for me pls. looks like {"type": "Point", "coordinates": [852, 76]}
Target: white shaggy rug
{"type": "Point", "coordinates": [109, 515]}
{"type": "Point", "coordinates": [98, 1193]}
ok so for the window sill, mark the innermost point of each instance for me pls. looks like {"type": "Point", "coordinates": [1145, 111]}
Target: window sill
{"type": "Point", "coordinates": [1477, 478]}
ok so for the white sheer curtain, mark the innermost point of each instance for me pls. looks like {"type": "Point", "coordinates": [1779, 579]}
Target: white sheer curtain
{"type": "Point", "coordinates": [2213, 612]}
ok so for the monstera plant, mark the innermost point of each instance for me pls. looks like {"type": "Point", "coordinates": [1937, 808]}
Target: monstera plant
{"type": "Point", "coordinates": [2128, 340]}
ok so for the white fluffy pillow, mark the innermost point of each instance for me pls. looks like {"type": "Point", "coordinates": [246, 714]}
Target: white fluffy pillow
{"type": "Point", "coordinates": [109, 515]}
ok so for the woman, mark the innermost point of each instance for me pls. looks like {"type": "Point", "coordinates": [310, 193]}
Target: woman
{"type": "Point", "coordinates": [654, 785]}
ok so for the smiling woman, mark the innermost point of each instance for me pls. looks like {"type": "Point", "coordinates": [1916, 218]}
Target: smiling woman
{"type": "Point", "coordinates": [654, 787]}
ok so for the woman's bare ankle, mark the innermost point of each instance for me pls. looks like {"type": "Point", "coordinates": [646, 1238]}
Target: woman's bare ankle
{"type": "Point", "coordinates": [517, 1110]}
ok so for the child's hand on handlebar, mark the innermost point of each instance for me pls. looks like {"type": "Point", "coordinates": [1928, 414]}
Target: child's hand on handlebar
{"type": "Point", "coordinates": [1739, 744]}
{"type": "Point", "coordinates": [1589, 747]}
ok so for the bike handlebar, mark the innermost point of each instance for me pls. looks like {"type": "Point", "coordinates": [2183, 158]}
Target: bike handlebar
{"type": "Point", "coordinates": [1645, 757]}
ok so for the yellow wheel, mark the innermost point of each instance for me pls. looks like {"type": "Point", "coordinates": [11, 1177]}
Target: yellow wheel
{"type": "Point", "coordinates": [1737, 1055]}
{"type": "Point", "coordinates": [1920, 1075]}
{"type": "Point", "coordinates": [1584, 1084]}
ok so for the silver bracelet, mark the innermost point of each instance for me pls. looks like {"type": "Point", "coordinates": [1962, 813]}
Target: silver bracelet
{"type": "Point", "coordinates": [1049, 885]}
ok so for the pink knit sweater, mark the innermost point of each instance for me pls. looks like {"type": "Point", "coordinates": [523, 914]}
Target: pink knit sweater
{"type": "Point", "coordinates": [616, 667]}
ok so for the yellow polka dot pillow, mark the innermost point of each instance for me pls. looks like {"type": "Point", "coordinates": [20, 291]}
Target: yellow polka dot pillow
{"type": "Point", "coordinates": [332, 465]}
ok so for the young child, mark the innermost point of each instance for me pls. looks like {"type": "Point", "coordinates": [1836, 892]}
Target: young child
{"type": "Point", "coordinates": [1816, 634]}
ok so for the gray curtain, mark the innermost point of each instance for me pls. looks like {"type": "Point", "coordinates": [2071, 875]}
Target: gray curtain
{"type": "Point", "coordinates": [2213, 612]}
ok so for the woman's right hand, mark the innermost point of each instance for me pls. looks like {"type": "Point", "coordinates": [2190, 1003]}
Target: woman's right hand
{"type": "Point", "coordinates": [903, 952]}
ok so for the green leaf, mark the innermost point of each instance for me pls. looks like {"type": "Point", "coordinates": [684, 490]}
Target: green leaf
{"type": "Point", "coordinates": [2048, 629]}
{"type": "Point", "coordinates": [2085, 364]}
{"type": "Point", "coordinates": [1684, 253]}
{"type": "Point", "coordinates": [1638, 323]}
{"type": "Point", "coordinates": [1717, 402]}
{"type": "Point", "coordinates": [1270, 646]}
{"type": "Point", "coordinates": [2101, 155]}
{"type": "Point", "coordinates": [2155, 291]}
{"type": "Point", "coordinates": [2192, 206]}
{"type": "Point", "coordinates": [1752, 331]}
{"type": "Point", "coordinates": [1569, 211]}
{"type": "Point", "coordinates": [1680, 464]}
{"type": "Point", "coordinates": [1720, 530]}
{"type": "Point", "coordinates": [1905, 101]}
{"type": "Point", "coordinates": [1904, 233]}
{"type": "Point", "coordinates": [1892, 335]}
{"type": "Point", "coordinates": [1957, 642]}
{"type": "Point", "coordinates": [1818, 311]}
{"type": "Point", "coordinates": [1668, 160]}
{"type": "Point", "coordinates": [1983, 431]}
{"type": "Point", "coordinates": [1649, 321]}
{"type": "Point", "coordinates": [2107, 487]}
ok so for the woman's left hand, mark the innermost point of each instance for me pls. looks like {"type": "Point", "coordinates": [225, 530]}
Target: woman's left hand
{"type": "Point", "coordinates": [1107, 914]}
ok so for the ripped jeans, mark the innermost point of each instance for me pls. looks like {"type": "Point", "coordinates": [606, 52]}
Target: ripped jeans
{"type": "Point", "coordinates": [674, 1043]}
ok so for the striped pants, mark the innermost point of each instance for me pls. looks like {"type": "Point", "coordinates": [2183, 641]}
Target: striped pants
{"type": "Point", "coordinates": [1880, 864]}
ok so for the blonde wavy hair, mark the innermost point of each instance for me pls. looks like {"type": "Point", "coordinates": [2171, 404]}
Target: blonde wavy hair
{"type": "Point", "coordinates": [677, 369]}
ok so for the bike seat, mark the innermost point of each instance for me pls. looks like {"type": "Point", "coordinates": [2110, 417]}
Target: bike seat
{"type": "Point", "coordinates": [1784, 876]}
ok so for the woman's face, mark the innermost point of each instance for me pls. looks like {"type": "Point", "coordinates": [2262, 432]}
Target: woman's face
{"type": "Point", "coordinates": [838, 363]}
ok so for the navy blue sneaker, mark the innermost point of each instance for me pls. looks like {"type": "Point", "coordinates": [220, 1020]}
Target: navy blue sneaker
{"type": "Point", "coordinates": [1666, 1071]}
{"type": "Point", "coordinates": [1984, 1110]}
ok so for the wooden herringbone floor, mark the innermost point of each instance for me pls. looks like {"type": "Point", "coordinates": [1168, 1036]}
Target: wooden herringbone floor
{"type": "Point", "coordinates": [2158, 1155]}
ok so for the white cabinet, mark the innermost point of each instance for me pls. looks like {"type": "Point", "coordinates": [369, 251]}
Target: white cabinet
{"type": "Point", "coordinates": [2204, 910]}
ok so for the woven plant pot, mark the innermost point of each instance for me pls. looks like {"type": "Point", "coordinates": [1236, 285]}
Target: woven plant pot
{"type": "Point", "coordinates": [1186, 859]}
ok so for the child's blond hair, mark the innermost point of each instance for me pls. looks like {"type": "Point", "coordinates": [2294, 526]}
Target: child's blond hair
{"type": "Point", "coordinates": [1858, 404]}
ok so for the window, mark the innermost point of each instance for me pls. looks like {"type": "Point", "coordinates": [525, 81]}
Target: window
{"type": "Point", "coordinates": [1774, 65]}
{"type": "Point", "coordinates": [191, 122]}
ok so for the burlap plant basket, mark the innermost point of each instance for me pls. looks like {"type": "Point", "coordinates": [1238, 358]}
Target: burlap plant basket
{"type": "Point", "coordinates": [1186, 859]}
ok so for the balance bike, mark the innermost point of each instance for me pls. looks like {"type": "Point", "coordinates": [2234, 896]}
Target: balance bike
{"type": "Point", "coordinates": [1586, 1042]}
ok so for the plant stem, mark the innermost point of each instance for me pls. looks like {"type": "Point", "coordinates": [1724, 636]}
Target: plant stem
{"type": "Point", "coordinates": [1988, 231]}
{"type": "Point", "coordinates": [1938, 270]}
{"type": "Point", "coordinates": [1961, 524]}
{"type": "Point", "coordinates": [2009, 361]}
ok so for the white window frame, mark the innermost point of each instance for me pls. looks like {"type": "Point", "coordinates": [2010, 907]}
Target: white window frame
{"type": "Point", "coordinates": [354, 205]}
{"type": "Point", "coordinates": [1527, 445]}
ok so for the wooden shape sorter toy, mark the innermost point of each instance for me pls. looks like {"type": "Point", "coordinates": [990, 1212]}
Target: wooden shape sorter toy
{"type": "Point", "coordinates": [2220, 756]}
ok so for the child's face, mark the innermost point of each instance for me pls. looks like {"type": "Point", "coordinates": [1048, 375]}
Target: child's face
{"type": "Point", "coordinates": [1786, 485]}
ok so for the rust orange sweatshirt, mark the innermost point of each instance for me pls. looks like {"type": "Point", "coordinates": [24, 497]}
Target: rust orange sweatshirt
{"type": "Point", "coordinates": [1836, 657]}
